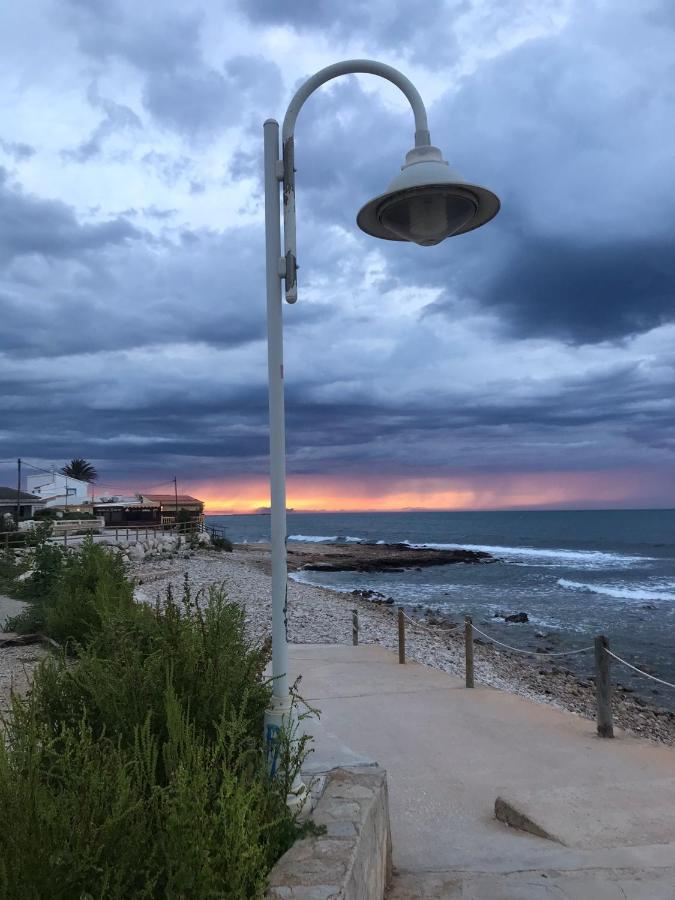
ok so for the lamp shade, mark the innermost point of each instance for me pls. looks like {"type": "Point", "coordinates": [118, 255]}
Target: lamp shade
{"type": "Point", "coordinates": [427, 202]}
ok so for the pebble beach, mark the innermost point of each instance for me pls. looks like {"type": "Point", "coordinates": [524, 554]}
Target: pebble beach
{"type": "Point", "coordinates": [318, 615]}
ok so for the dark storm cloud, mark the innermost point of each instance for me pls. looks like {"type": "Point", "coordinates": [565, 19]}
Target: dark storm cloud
{"type": "Point", "coordinates": [107, 29]}
{"type": "Point", "coordinates": [220, 422]}
{"type": "Point", "coordinates": [582, 293]}
{"type": "Point", "coordinates": [123, 287]}
{"type": "Point", "coordinates": [145, 348]}
{"type": "Point", "coordinates": [181, 91]}
{"type": "Point", "coordinates": [610, 416]}
{"type": "Point", "coordinates": [575, 133]}
{"type": "Point", "coordinates": [31, 225]}
{"type": "Point", "coordinates": [203, 100]}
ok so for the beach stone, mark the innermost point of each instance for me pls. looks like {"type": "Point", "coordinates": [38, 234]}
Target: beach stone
{"type": "Point", "coordinates": [517, 617]}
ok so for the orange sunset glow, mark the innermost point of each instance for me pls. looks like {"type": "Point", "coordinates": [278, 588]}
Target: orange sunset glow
{"type": "Point", "coordinates": [480, 492]}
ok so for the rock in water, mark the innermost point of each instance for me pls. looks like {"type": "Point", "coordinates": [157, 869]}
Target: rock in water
{"type": "Point", "coordinates": [517, 617]}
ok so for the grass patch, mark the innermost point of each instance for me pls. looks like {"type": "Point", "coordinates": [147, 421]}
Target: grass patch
{"type": "Point", "coordinates": [140, 770]}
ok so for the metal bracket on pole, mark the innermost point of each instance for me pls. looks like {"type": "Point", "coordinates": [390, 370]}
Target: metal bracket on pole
{"type": "Point", "coordinates": [291, 276]}
{"type": "Point", "coordinates": [289, 221]}
{"type": "Point", "coordinates": [348, 67]}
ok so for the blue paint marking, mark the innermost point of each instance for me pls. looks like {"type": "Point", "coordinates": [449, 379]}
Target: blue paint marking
{"type": "Point", "coordinates": [272, 741]}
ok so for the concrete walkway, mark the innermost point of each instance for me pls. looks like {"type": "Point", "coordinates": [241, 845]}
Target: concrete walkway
{"type": "Point", "coordinates": [450, 752]}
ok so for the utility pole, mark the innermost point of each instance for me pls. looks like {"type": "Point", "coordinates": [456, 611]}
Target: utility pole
{"type": "Point", "coordinates": [175, 492]}
{"type": "Point", "coordinates": [18, 491]}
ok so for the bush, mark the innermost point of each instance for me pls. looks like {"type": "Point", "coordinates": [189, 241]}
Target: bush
{"type": "Point", "coordinates": [34, 536]}
{"type": "Point", "coordinates": [141, 771]}
{"type": "Point", "coordinates": [9, 572]}
{"type": "Point", "coordinates": [71, 593]}
{"type": "Point", "coordinates": [45, 513]}
{"type": "Point", "coordinates": [221, 543]}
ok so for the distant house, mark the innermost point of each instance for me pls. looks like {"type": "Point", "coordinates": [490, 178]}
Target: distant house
{"type": "Point", "coordinates": [28, 504]}
{"type": "Point", "coordinates": [191, 508]}
{"type": "Point", "coordinates": [134, 511]}
{"type": "Point", "coordinates": [58, 490]}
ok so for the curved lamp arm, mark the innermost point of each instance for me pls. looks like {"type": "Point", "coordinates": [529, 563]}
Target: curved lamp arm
{"type": "Point", "coordinates": [348, 67]}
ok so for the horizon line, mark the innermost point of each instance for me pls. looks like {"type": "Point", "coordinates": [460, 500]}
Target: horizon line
{"type": "Point", "coordinates": [421, 509]}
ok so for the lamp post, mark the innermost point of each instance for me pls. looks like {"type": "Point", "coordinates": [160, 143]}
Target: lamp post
{"type": "Point", "coordinates": [425, 203]}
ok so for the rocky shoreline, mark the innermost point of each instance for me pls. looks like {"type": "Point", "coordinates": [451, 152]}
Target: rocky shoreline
{"type": "Point", "coordinates": [319, 615]}
{"type": "Point", "coordinates": [365, 557]}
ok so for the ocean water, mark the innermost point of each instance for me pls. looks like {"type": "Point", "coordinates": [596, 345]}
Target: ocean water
{"type": "Point", "coordinates": [575, 573]}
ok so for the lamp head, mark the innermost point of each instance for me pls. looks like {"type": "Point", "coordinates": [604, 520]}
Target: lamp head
{"type": "Point", "coordinates": [427, 202]}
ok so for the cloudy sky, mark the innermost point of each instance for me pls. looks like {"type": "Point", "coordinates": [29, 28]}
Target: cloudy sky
{"type": "Point", "coordinates": [526, 364]}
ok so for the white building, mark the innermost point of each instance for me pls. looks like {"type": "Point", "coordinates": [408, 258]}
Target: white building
{"type": "Point", "coordinates": [57, 489]}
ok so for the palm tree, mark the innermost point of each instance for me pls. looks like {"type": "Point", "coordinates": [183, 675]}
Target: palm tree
{"type": "Point", "coordinates": [80, 469]}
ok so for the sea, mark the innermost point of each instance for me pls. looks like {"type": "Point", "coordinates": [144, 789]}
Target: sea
{"type": "Point", "coordinates": [576, 574]}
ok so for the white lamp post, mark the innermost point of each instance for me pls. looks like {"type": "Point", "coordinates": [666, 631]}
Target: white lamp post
{"type": "Point", "coordinates": [425, 203]}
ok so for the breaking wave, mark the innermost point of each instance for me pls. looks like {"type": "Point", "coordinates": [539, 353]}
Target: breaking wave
{"type": "Point", "coordinates": [323, 539]}
{"type": "Point", "coordinates": [592, 559]}
{"type": "Point", "coordinates": [619, 592]}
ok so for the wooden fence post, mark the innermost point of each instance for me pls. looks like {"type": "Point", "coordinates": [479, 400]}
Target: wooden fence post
{"type": "Point", "coordinates": [468, 650]}
{"type": "Point", "coordinates": [603, 688]}
{"type": "Point", "coordinates": [355, 627]}
{"type": "Point", "coordinates": [401, 637]}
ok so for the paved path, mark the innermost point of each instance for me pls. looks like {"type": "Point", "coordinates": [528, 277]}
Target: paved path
{"type": "Point", "coordinates": [9, 607]}
{"type": "Point", "coordinates": [450, 752]}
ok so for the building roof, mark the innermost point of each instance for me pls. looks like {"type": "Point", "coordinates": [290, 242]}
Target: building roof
{"type": "Point", "coordinates": [8, 493]}
{"type": "Point", "coordinates": [124, 504]}
{"type": "Point", "coordinates": [170, 499]}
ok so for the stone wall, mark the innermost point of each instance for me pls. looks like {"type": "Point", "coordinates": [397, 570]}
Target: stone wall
{"type": "Point", "coordinates": [352, 860]}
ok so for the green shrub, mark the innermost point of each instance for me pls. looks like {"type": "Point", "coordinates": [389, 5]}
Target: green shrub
{"type": "Point", "coordinates": [38, 533]}
{"type": "Point", "coordinates": [70, 593]}
{"type": "Point", "coordinates": [45, 513]}
{"type": "Point", "coordinates": [45, 561]}
{"type": "Point", "coordinates": [9, 572]}
{"type": "Point", "coordinates": [221, 543]}
{"type": "Point", "coordinates": [140, 771]}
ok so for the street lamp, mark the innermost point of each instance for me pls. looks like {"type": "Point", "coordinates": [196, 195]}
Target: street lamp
{"type": "Point", "coordinates": [424, 204]}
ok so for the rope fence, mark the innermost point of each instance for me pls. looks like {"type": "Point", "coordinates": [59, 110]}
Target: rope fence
{"type": "Point", "coordinates": [600, 647]}
{"type": "Point", "coordinates": [421, 625]}
{"type": "Point", "coordinates": [532, 652]}
{"type": "Point", "coordinates": [640, 671]}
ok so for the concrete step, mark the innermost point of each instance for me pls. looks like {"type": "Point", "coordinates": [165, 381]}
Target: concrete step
{"type": "Point", "coordinates": [627, 814]}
